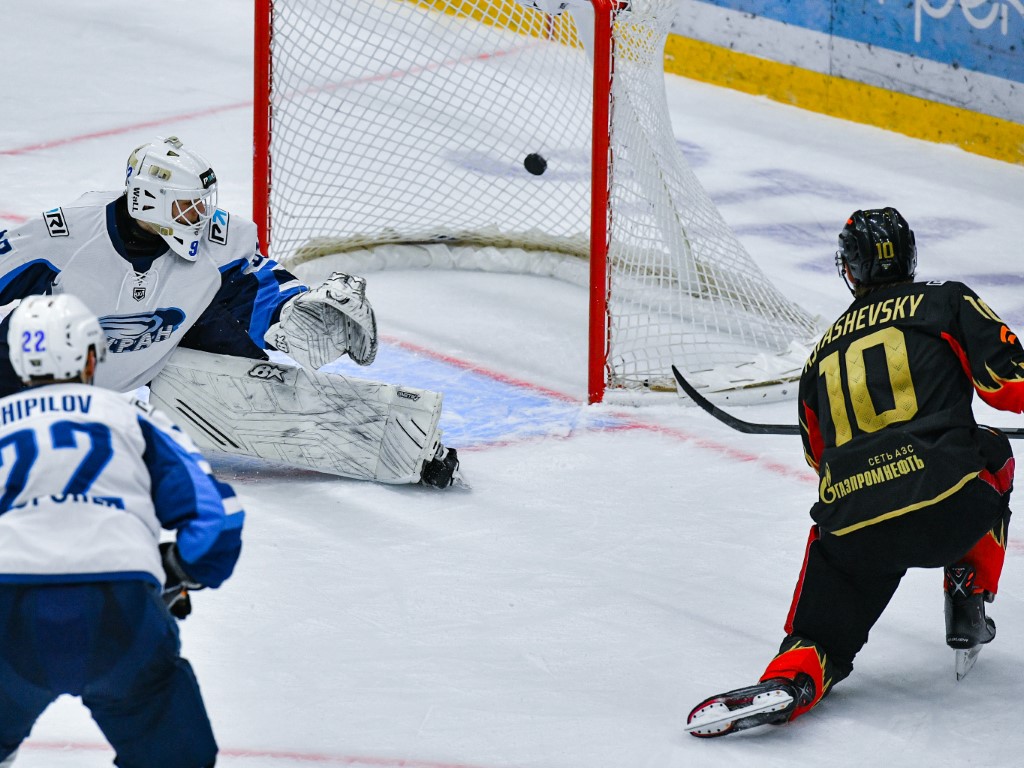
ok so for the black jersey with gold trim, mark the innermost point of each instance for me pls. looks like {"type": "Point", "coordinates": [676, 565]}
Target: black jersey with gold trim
{"type": "Point", "coordinates": [885, 400]}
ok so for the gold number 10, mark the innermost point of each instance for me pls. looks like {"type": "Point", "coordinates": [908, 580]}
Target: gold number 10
{"type": "Point", "coordinates": [897, 363]}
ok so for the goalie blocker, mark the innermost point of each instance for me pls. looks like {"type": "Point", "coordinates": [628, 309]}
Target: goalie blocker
{"type": "Point", "coordinates": [320, 421]}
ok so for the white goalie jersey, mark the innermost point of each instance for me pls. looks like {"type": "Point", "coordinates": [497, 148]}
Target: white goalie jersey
{"type": "Point", "coordinates": [77, 249]}
{"type": "Point", "coordinates": [219, 385]}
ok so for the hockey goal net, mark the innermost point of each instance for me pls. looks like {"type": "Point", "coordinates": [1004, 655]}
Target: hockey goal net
{"type": "Point", "coordinates": [395, 133]}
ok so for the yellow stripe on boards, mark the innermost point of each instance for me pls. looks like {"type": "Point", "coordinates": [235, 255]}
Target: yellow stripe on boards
{"type": "Point", "coordinates": [498, 11]}
{"type": "Point", "coordinates": [910, 115]}
{"type": "Point", "coordinates": [506, 14]}
{"type": "Point", "coordinates": [836, 96]}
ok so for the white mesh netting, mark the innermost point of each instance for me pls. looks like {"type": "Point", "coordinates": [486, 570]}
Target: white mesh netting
{"type": "Point", "coordinates": [408, 121]}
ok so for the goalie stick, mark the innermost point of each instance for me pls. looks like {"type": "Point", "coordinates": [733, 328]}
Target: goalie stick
{"type": "Point", "coordinates": [754, 428]}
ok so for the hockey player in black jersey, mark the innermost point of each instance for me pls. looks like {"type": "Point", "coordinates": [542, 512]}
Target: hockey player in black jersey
{"type": "Point", "coordinates": [907, 478]}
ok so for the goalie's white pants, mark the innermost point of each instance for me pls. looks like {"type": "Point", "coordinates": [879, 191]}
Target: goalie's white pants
{"type": "Point", "coordinates": [320, 421]}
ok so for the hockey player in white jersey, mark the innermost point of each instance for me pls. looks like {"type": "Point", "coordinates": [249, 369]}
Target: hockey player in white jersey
{"type": "Point", "coordinates": [189, 306]}
{"type": "Point", "coordinates": [90, 479]}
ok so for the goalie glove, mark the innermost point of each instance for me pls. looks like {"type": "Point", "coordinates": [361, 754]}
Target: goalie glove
{"type": "Point", "coordinates": [322, 324]}
{"type": "Point", "coordinates": [177, 583]}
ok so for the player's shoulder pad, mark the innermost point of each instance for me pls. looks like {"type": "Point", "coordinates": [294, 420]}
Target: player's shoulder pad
{"type": "Point", "coordinates": [226, 229]}
{"type": "Point", "coordinates": [143, 406]}
{"type": "Point", "coordinates": [952, 289]}
{"type": "Point", "coordinates": [53, 222]}
{"type": "Point", "coordinates": [56, 223]}
{"type": "Point", "coordinates": [220, 227]}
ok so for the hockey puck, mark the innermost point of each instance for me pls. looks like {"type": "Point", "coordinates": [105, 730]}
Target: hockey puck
{"type": "Point", "coordinates": [535, 164]}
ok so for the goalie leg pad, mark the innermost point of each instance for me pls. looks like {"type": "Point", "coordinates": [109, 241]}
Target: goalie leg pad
{"type": "Point", "coordinates": [281, 412]}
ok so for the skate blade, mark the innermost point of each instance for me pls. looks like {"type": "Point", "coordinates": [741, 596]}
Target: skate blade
{"type": "Point", "coordinates": [459, 481]}
{"type": "Point", "coordinates": [965, 661]}
{"type": "Point", "coordinates": [716, 719]}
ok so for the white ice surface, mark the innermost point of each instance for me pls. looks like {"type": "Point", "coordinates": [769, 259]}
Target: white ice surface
{"type": "Point", "coordinates": [612, 565]}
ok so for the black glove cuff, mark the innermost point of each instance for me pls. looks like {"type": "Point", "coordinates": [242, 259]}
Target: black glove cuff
{"type": "Point", "coordinates": [175, 569]}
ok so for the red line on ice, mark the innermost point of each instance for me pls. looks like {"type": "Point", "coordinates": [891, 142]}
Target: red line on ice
{"type": "Point", "coordinates": [52, 143]}
{"type": "Point", "coordinates": [170, 119]}
{"type": "Point", "coordinates": [629, 422]}
{"type": "Point", "coordinates": [456, 362]}
{"type": "Point", "coordinates": [273, 754]}
{"type": "Point", "coordinates": [355, 760]}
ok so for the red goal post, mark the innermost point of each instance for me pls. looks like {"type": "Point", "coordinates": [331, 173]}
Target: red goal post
{"type": "Point", "coordinates": [368, 112]}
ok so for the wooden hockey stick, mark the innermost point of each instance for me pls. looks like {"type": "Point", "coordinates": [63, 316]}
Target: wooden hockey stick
{"type": "Point", "coordinates": [753, 428]}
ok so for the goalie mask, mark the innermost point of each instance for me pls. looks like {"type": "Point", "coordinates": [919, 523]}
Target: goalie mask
{"type": "Point", "coordinates": [174, 190]}
{"type": "Point", "coordinates": [876, 247]}
{"type": "Point", "coordinates": [50, 338]}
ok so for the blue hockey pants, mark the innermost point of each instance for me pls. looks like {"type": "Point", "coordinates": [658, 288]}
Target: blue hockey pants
{"type": "Point", "coordinates": [115, 645]}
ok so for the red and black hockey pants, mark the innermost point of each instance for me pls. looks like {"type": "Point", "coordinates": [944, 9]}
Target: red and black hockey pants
{"type": "Point", "coordinates": [847, 581]}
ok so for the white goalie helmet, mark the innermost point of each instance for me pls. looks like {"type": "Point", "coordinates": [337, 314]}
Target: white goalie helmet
{"type": "Point", "coordinates": [174, 189]}
{"type": "Point", "coordinates": [50, 337]}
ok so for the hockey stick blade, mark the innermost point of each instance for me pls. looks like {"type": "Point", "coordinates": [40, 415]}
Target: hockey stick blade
{"type": "Point", "coordinates": [753, 428]}
{"type": "Point", "coordinates": [748, 427]}
{"type": "Point", "coordinates": [965, 661]}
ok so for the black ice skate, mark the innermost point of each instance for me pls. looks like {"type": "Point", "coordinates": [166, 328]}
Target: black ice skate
{"type": "Point", "coordinates": [442, 471]}
{"type": "Point", "coordinates": [967, 626]}
{"type": "Point", "coordinates": [768, 702]}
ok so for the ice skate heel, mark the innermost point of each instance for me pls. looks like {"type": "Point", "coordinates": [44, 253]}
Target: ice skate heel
{"type": "Point", "coordinates": [966, 622]}
{"type": "Point", "coordinates": [442, 471]}
{"type": "Point", "coordinates": [967, 626]}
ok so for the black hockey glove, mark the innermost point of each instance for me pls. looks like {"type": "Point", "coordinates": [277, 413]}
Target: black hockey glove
{"type": "Point", "coordinates": [178, 583]}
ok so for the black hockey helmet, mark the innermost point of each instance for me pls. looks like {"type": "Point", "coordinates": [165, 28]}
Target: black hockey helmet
{"type": "Point", "coordinates": [876, 247]}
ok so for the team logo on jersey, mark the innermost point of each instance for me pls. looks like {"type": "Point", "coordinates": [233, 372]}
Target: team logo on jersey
{"type": "Point", "coordinates": [219, 227]}
{"type": "Point", "coordinates": [56, 224]}
{"type": "Point", "coordinates": [134, 333]}
{"type": "Point", "coordinates": [268, 371]}
{"type": "Point", "coordinates": [280, 343]}
{"type": "Point", "coordinates": [139, 293]}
